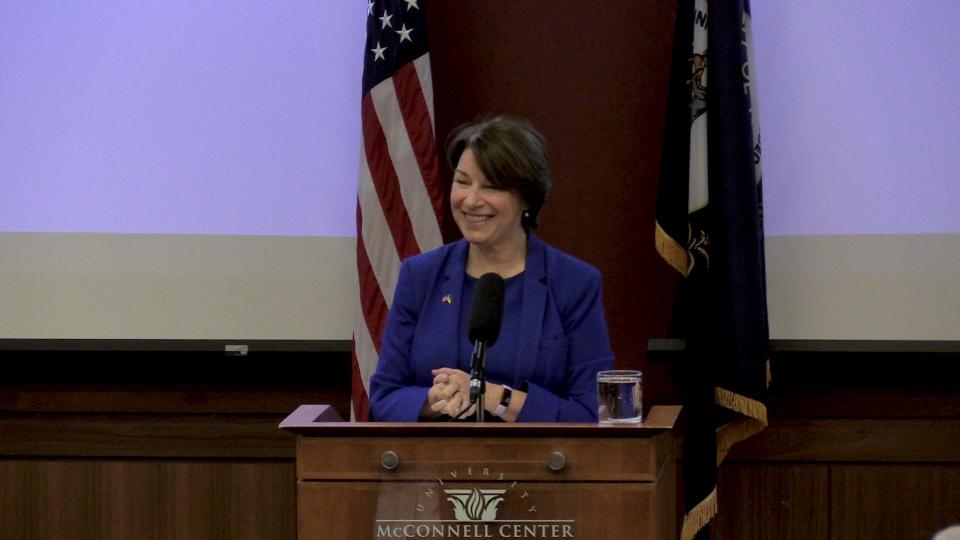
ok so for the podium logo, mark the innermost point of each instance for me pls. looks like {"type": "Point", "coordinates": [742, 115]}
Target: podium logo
{"type": "Point", "coordinates": [475, 504]}
{"type": "Point", "coordinates": [479, 511]}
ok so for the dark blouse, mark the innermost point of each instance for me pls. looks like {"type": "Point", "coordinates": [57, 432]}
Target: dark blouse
{"type": "Point", "coordinates": [501, 358]}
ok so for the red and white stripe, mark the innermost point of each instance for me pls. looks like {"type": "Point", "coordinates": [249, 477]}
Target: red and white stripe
{"type": "Point", "coordinates": [399, 205]}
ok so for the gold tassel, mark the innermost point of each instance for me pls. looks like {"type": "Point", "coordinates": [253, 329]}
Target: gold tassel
{"type": "Point", "coordinates": [698, 517]}
{"type": "Point", "coordinates": [734, 432]}
{"type": "Point", "coordinates": [741, 404]}
{"type": "Point", "coordinates": [738, 430]}
{"type": "Point", "coordinates": [671, 251]}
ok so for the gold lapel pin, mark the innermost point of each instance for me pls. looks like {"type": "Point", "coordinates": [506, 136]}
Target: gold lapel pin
{"type": "Point", "coordinates": [447, 299]}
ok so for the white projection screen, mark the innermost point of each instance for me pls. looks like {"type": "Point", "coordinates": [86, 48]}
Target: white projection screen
{"type": "Point", "coordinates": [179, 169]}
{"type": "Point", "coordinates": [187, 170]}
{"type": "Point", "coordinates": [861, 168]}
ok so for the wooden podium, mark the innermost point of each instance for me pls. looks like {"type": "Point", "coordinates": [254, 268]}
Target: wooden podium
{"type": "Point", "coordinates": [438, 481]}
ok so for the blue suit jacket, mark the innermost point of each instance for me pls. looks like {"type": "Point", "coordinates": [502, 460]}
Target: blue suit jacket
{"type": "Point", "coordinates": [563, 342]}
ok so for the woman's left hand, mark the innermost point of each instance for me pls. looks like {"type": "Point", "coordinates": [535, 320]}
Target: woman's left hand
{"type": "Point", "coordinates": [450, 393]}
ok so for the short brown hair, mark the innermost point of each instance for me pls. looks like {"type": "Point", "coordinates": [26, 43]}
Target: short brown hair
{"type": "Point", "coordinates": [512, 155]}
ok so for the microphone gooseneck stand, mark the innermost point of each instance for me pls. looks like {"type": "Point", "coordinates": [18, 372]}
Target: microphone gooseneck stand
{"type": "Point", "coordinates": [486, 314]}
{"type": "Point", "coordinates": [478, 386]}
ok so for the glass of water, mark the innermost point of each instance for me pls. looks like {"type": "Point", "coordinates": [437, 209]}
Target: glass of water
{"type": "Point", "coordinates": [620, 396]}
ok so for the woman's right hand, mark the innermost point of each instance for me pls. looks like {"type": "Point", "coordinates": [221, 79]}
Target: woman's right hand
{"type": "Point", "coordinates": [450, 392]}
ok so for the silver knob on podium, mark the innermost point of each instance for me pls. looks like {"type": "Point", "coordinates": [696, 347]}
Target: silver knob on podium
{"type": "Point", "coordinates": [390, 460]}
{"type": "Point", "coordinates": [556, 461]}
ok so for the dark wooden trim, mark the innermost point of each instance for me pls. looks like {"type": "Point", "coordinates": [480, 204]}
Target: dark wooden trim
{"type": "Point", "coordinates": [662, 349]}
{"type": "Point", "coordinates": [854, 440]}
{"type": "Point", "coordinates": [274, 399]}
{"type": "Point", "coordinates": [259, 368]}
{"type": "Point", "coordinates": [59, 436]}
{"type": "Point", "coordinates": [660, 419]}
{"type": "Point", "coordinates": [176, 345]}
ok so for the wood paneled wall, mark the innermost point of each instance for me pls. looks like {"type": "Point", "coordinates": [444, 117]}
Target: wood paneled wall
{"type": "Point", "coordinates": [123, 499]}
{"type": "Point", "coordinates": [860, 446]}
{"type": "Point", "coordinates": [93, 449]}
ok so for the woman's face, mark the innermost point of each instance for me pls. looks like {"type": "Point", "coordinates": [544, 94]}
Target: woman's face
{"type": "Point", "coordinates": [487, 216]}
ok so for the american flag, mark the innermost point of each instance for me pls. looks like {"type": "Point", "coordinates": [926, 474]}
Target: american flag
{"type": "Point", "coordinates": [399, 197]}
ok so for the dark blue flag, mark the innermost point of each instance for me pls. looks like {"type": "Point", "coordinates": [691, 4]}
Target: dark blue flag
{"type": "Point", "coordinates": [710, 229]}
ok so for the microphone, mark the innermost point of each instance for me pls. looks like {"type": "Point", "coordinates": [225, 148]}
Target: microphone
{"type": "Point", "coordinates": [486, 313]}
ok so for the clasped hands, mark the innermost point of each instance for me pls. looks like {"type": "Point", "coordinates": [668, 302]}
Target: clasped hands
{"type": "Point", "coordinates": [450, 392]}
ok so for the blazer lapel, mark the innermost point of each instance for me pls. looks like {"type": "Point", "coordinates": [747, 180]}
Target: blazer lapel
{"type": "Point", "coordinates": [450, 287]}
{"type": "Point", "coordinates": [534, 300]}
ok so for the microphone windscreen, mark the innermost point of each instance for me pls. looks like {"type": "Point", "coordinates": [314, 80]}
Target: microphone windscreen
{"type": "Point", "coordinates": [487, 309]}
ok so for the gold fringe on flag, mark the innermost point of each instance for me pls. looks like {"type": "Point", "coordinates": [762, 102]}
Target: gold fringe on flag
{"type": "Point", "coordinates": [755, 420]}
{"type": "Point", "coordinates": [699, 516]}
{"type": "Point", "coordinates": [734, 432]}
{"type": "Point", "coordinates": [671, 251]}
{"type": "Point", "coordinates": [740, 404]}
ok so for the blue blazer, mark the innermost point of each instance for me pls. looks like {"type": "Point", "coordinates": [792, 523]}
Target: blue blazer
{"type": "Point", "coordinates": [563, 341]}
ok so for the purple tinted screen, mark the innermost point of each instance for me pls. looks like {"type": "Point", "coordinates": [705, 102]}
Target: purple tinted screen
{"type": "Point", "coordinates": [182, 117]}
{"type": "Point", "coordinates": [860, 128]}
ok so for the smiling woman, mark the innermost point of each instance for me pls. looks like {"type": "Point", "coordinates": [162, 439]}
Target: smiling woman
{"type": "Point", "coordinates": [500, 183]}
{"type": "Point", "coordinates": [554, 335]}
{"type": "Point", "coordinates": [488, 215]}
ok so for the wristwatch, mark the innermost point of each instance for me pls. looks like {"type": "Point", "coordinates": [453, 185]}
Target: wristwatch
{"type": "Point", "coordinates": [504, 401]}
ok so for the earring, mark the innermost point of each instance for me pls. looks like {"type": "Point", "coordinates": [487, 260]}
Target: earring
{"type": "Point", "coordinates": [526, 214]}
